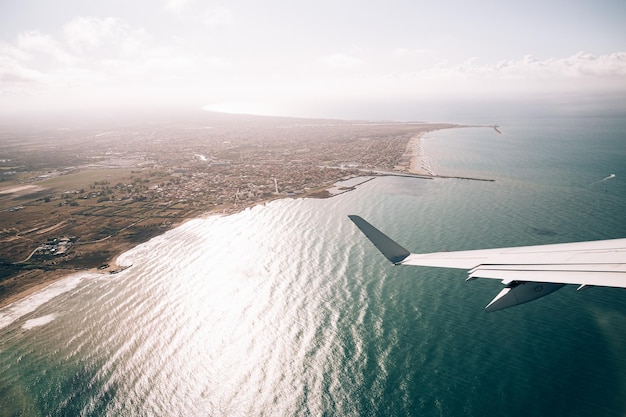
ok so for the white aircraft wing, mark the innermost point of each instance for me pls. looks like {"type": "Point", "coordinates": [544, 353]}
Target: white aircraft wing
{"type": "Point", "coordinates": [528, 272]}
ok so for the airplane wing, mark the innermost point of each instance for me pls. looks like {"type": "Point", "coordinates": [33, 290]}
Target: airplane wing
{"type": "Point", "coordinates": [528, 272]}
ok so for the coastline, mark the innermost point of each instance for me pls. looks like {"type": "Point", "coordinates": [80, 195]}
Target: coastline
{"type": "Point", "coordinates": [413, 162]}
{"type": "Point", "coordinates": [419, 163]}
{"type": "Point", "coordinates": [42, 284]}
{"type": "Point", "coordinates": [42, 279]}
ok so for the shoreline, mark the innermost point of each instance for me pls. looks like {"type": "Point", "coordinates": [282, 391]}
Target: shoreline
{"type": "Point", "coordinates": [419, 163]}
{"type": "Point", "coordinates": [413, 163]}
{"type": "Point", "coordinates": [44, 278]}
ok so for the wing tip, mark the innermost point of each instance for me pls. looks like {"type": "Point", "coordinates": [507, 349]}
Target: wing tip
{"type": "Point", "coordinates": [393, 251]}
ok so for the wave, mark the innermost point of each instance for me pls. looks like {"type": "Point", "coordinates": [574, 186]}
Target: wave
{"type": "Point", "coordinates": [15, 311]}
{"type": "Point", "coordinates": [39, 321]}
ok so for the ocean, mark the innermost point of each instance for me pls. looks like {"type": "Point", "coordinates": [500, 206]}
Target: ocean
{"type": "Point", "coordinates": [285, 309]}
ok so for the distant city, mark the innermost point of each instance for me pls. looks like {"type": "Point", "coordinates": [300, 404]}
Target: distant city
{"type": "Point", "coordinates": [75, 196]}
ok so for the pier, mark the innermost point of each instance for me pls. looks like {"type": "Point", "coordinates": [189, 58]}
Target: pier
{"type": "Point", "coordinates": [422, 176]}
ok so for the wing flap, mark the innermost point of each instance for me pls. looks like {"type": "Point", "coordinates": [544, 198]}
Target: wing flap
{"type": "Point", "coordinates": [520, 293]}
{"type": "Point", "coordinates": [563, 276]}
{"type": "Point", "coordinates": [556, 267]}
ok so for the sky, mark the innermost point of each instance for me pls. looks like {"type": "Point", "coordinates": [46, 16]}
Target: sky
{"type": "Point", "coordinates": [303, 58]}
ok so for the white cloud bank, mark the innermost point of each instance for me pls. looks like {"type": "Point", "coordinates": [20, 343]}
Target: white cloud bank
{"type": "Point", "coordinates": [527, 76]}
{"type": "Point", "coordinates": [89, 34]}
{"type": "Point", "coordinates": [106, 62]}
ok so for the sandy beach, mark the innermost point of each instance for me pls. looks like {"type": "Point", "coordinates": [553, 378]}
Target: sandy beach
{"type": "Point", "coordinates": [419, 163]}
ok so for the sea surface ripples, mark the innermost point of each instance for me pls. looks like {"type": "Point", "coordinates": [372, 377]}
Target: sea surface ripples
{"type": "Point", "coordinates": [285, 309]}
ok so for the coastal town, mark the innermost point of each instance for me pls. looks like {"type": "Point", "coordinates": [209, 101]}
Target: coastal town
{"type": "Point", "coordinates": [74, 197]}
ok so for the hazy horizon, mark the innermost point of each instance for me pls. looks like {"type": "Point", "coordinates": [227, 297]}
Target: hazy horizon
{"type": "Point", "coordinates": [397, 60]}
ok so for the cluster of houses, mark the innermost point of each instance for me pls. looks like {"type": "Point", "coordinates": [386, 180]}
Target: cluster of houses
{"type": "Point", "coordinates": [55, 247]}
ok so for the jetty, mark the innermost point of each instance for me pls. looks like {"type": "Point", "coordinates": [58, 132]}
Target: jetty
{"type": "Point", "coordinates": [422, 176]}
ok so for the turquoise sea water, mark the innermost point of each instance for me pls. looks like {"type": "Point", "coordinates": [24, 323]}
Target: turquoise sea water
{"type": "Point", "coordinates": [286, 309]}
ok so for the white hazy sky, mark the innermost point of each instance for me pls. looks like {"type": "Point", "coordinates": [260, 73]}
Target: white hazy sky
{"type": "Point", "coordinates": [305, 57]}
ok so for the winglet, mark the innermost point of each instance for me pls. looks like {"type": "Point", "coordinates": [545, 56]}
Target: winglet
{"type": "Point", "coordinates": [388, 247]}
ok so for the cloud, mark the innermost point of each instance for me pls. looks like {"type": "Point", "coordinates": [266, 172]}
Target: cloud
{"type": "Point", "coordinates": [106, 59]}
{"type": "Point", "coordinates": [88, 34]}
{"type": "Point", "coordinates": [11, 72]}
{"type": "Point", "coordinates": [583, 64]}
{"type": "Point", "coordinates": [34, 43]}
{"type": "Point", "coordinates": [526, 78]}
{"type": "Point", "coordinates": [580, 66]}
{"type": "Point", "coordinates": [8, 50]}
{"type": "Point", "coordinates": [104, 62]}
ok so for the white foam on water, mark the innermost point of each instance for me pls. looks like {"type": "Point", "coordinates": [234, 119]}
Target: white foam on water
{"type": "Point", "coordinates": [13, 312]}
{"type": "Point", "coordinates": [39, 321]}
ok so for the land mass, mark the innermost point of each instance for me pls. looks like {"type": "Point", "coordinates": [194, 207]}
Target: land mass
{"type": "Point", "coordinates": [74, 196]}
